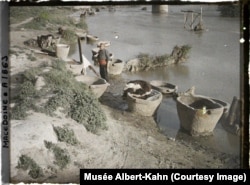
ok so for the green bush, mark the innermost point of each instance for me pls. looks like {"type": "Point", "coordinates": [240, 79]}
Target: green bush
{"type": "Point", "coordinates": [62, 158]}
{"type": "Point", "coordinates": [31, 75]}
{"type": "Point", "coordinates": [82, 24]}
{"type": "Point", "coordinates": [61, 90]}
{"type": "Point", "coordinates": [65, 135]}
{"type": "Point", "coordinates": [186, 50]}
{"type": "Point", "coordinates": [27, 90]}
{"type": "Point", "coordinates": [27, 163]}
{"type": "Point", "coordinates": [24, 100]}
{"type": "Point", "coordinates": [162, 59]}
{"type": "Point", "coordinates": [69, 35]}
{"type": "Point", "coordinates": [85, 109]}
{"type": "Point", "coordinates": [44, 16]}
{"type": "Point", "coordinates": [75, 97]}
{"type": "Point", "coordinates": [147, 61]}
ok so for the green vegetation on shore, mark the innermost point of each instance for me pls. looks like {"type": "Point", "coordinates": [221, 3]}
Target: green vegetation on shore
{"type": "Point", "coordinates": [62, 158]}
{"type": "Point", "coordinates": [61, 90]}
{"type": "Point", "coordinates": [27, 163]}
{"type": "Point", "coordinates": [48, 18]}
{"type": "Point", "coordinates": [179, 54]}
{"type": "Point", "coordinates": [65, 134]}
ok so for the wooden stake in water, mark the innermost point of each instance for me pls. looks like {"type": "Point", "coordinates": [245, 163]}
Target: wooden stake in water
{"type": "Point", "coordinates": [201, 15]}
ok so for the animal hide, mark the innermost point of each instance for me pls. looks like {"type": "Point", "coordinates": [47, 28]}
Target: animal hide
{"type": "Point", "coordinates": [139, 88]}
{"type": "Point", "coordinates": [45, 41]}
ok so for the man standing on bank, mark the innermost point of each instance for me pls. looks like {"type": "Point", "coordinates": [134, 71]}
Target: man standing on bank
{"type": "Point", "coordinates": [103, 59]}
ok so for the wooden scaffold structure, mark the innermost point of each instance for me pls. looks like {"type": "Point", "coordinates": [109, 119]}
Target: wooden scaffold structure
{"type": "Point", "coordinates": [189, 23]}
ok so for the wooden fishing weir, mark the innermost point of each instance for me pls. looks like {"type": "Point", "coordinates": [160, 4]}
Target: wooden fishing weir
{"type": "Point", "coordinates": [190, 18]}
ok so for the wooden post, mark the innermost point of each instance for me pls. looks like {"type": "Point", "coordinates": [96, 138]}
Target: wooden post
{"type": "Point", "coordinates": [192, 20]}
{"type": "Point", "coordinates": [80, 50]}
{"type": "Point", "coordinates": [81, 59]}
{"type": "Point", "coordinates": [184, 19]}
{"type": "Point", "coordinates": [201, 15]}
{"type": "Point", "coordinates": [233, 112]}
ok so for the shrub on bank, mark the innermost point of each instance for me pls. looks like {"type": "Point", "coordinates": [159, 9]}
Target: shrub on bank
{"type": "Point", "coordinates": [65, 134]}
{"type": "Point", "coordinates": [61, 91]}
{"type": "Point", "coordinates": [179, 54]}
{"type": "Point", "coordinates": [27, 163]}
{"type": "Point", "coordinates": [62, 158]}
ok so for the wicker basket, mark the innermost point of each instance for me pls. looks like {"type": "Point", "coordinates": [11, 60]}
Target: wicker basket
{"type": "Point", "coordinates": [198, 115]}
{"type": "Point", "coordinates": [62, 51]}
{"type": "Point", "coordinates": [97, 85]}
{"type": "Point", "coordinates": [115, 66]}
{"type": "Point", "coordinates": [145, 107]}
{"type": "Point", "coordinates": [163, 87]}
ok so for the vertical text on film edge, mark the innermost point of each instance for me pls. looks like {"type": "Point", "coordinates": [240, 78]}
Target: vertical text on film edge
{"type": "Point", "coordinates": [165, 177]}
{"type": "Point", "coordinates": [5, 123]}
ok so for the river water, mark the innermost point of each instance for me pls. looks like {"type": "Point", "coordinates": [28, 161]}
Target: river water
{"type": "Point", "coordinates": [213, 66]}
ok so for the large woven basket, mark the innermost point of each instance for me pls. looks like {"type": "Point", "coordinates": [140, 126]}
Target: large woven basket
{"type": "Point", "coordinates": [163, 87]}
{"type": "Point", "coordinates": [115, 66]}
{"type": "Point", "coordinates": [62, 51]}
{"type": "Point", "coordinates": [198, 115]}
{"type": "Point", "coordinates": [97, 85]}
{"type": "Point", "coordinates": [144, 107]}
